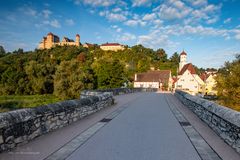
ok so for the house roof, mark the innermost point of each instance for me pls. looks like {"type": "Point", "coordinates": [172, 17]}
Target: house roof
{"type": "Point", "coordinates": [189, 67]}
{"type": "Point", "coordinates": [183, 53]}
{"type": "Point", "coordinates": [111, 44]}
{"type": "Point", "coordinates": [175, 79]}
{"type": "Point", "coordinates": [154, 76]}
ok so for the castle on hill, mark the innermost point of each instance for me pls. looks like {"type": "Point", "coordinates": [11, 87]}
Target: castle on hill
{"type": "Point", "coordinates": [52, 40]}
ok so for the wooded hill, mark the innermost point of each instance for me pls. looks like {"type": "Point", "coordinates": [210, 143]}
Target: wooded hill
{"type": "Point", "coordinates": [66, 70]}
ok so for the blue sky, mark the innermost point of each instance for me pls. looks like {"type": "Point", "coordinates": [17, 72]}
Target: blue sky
{"type": "Point", "coordinates": [208, 30]}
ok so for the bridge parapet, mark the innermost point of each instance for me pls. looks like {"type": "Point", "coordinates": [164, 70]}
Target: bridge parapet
{"type": "Point", "coordinates": [224, 121]}
{"type": "Point", "coordinates": [21, 126]}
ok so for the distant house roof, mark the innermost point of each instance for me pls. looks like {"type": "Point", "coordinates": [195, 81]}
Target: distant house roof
{"type": "Point", "coordinates": [189, 67]}
{"type": "Point", "coordinates": [154, 76]}
{"type": "Point", "coordinates": [183, 53]}
{"type": "Point", "coordinates": [111, 44]}
{"type": "Point", "coordinates": [203, 76]}
{"type": "Point", "coordinates": [175, 79]}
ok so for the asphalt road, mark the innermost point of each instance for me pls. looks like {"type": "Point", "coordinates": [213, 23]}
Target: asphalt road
{"type": "Point", "coordinates": [146, 130]}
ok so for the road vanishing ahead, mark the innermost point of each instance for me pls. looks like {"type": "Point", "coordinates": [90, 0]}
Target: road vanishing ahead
{"type": "Point", "coordinates": [145, 130]}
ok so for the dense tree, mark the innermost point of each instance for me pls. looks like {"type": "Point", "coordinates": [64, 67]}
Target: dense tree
{"type": "Point", "coordinates": [110, 73]}
{"type": "Point", "coordinates": [175, 58]}
{"type": "Point", "coordinates": [161, 55]}
{"type": "Point", "coordinates": [71, 77]}
{"type": "Point", "coordinates": [66, 70]}
{"type": "Point", "coordinates": [228, 83]}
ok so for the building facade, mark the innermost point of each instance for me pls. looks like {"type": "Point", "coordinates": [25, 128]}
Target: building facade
{"type": "Point", "coordinates": [112, 47]}
{"type": "Point", "coordinates": [161, 80]}
{"type": "Point", "coordinates": [52, 40]}
{"type": "Point", "coordinates": [187, 78]}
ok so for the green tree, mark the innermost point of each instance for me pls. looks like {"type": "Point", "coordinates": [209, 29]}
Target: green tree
{"type": "Point", "coordinates": [70, 78]}
{"type": "Point", "coordinates": [40, 76]}
{"type": "Point", "coordinates": [110, 73]}
{"type": "Point", "coordinates": [175, 58]}
{"type": "Point", "coordinates": [228, 83]}
{"type": "Point", "coordinates": [161, 55]}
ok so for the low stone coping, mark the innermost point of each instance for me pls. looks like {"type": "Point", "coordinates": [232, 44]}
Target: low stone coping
{"type": "Point", "coordinates": [227, 114]}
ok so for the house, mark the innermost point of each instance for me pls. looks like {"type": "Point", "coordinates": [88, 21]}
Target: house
{"type": "Point", "coordinates": [187, 78]}
{"type": "Point", "coordinates": [87, 45]}
{"type": "Point", "coordinates": [52, 40]}
{"type": "Point", "coordinates": [112, 47]}
{"type": "Point", "coordinates": [160, 79]}
{"type": "Point", "coordinates": [210, 83]}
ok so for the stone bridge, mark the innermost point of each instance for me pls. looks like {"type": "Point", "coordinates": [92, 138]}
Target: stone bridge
{"type": "Point", "coordinates": [122, 124]}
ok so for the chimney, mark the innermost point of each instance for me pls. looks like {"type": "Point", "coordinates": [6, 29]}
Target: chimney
{"type": "Point", "coordinates": [135, 79]}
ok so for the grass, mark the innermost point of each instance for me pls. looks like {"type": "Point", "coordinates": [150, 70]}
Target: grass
{"type": "Point", "coordinates": [13, 102]}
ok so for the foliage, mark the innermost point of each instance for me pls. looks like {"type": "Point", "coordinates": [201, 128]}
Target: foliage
{"type": "Point", "coordinates": [228, 84]}
{"type": "Point", "coordinates": [11, 102]}
{"type": "Point", "coordinates": [66, 70]}
{"type": "Point", "coordinates": [70, 78]}
{"type": "Point", "coordinates": [110, 73]}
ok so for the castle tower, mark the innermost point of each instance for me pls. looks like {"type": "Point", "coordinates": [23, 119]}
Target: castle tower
{"type": "Point", "coordinates": [77, 40]}
{"type": "Point", "coordinates": [183, 60]}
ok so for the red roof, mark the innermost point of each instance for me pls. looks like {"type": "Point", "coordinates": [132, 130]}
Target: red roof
{"type": "Point", "coordinates": [111, 44]}
{"type": "Point", "coordinates": [183, 53]}
{"type": "Point", "coordinates": [154, 76]}
{"type": "Point", "coordinates": [189, 67]}
{"type": "Point", "coordinates": [175, 79]}
{"type": "Point", "coordinates": [77, 35]}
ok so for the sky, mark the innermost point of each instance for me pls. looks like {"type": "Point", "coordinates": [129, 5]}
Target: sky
{"type": "Point", "coordinates": [207, 30]}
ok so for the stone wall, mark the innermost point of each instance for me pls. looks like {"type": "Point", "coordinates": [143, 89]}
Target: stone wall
{"type": "Point", "coordinates": [21, 126]}
{"type": "Point", "coordinates": [224, 121]}
{"type": "Point", "coordinates": [117, 91]}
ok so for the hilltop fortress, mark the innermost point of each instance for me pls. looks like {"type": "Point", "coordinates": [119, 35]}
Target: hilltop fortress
{"type": "Point", "coordinates": [52, 40]}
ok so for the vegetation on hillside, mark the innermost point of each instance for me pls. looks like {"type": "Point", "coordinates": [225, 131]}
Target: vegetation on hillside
{"type": "Point", "coordinates": [66, 70]}
{"type": "Point", "coordinates": [228, 84]}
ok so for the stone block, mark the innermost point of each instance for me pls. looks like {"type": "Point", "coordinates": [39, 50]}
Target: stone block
{"type": "Point", "coordinates": [1, 139]}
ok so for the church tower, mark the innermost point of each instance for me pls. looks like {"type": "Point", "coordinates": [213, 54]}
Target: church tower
{"type": "Point", "coordinates": [183, 60]}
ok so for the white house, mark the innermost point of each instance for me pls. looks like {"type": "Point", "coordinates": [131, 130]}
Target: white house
{"type": "Point", "coordinates": [187, 78]}
{"type": "Point", "coordinates": [154, 79]}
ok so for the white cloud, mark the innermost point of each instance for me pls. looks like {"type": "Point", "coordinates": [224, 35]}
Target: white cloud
{"type": "Point", "coordinates": [46, 13]}
{"type": "Point", "coordinates": [69, 22]}
{"type": "Point", "coordinates": [133, 23]}
{"type": "Point", "coordinates": [198, 2]}
{"type": "Point", "coordinates": [212, 8]}
{"type": "Point", "coordinates": [96, 3]}
{"type": "Point", "coordinates": [28, 11]}
{"type": "Point", "coordinates": [173, 9]}
{"type": "Point", "coordinates": [228, 20]}
{"type": "Point", "coordinates": [126, 37]}
{"type": "Point", "coordinates": [155, 39]}
{"type": "Point", "coordinates": [117, 9]}
{"type": "Point", "coordinates": [54, 23]}
{"type": "Point", "coordinates": [148, 17]}
{"type": "Point", "coordinates": [113, 16]}
{"type": "Point", "coordinates": [137, 3]}
{"type": "Point", "coordinates": [119, 29]}
{"type": "Point", "coordinates": [212, 20]}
